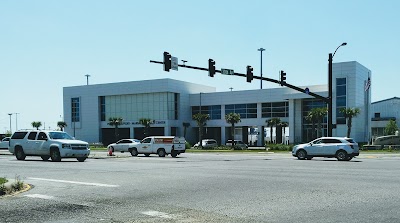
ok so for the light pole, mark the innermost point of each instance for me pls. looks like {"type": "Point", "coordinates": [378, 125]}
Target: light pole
{"type": "Point", "coordinates": [261, 50]}
{"type": "Point", "coordinates": [87, 79]}
{"type": "Point", "coordinates": [16, 121]}
{"type": "Point", "coordinates": [330, 109]}
{"type": "Point", "coordinates": [10, 114]}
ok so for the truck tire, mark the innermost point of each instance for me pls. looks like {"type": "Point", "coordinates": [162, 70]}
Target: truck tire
{"type": "Point", "coordinates": [55, 155]}
{"type": "Point", "coordinates": [81, 159]}
{"type": "Point", "coordinates": [133, 152]}
{"type": "Point", "coordinates": [45, 158]}
{"type": "Point", "coordinates": [161, 152]}
{"type": "Point", "coordinates": [174, 153]}
{"type": "Point", "coordinates": [19, 153]}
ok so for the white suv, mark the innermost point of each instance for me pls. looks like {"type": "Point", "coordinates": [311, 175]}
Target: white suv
{"type": "Point", "coordinates": [47, 144]}
{"type": "Point", "coordinates": [344, 149]}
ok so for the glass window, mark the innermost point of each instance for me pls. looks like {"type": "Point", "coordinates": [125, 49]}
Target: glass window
{"type": "Point", "coordinates": [244, 110]}
{"type": "Point", "coordinates": [32, 135]}
{"type": "Point", "coordinates": [341, 98]}
{"type": "Point", "coordinates": [275, 109]}
{"type": "Point", "coordinates": [75, 110]}
{"type": "Point", "coordinates": [42, 136]}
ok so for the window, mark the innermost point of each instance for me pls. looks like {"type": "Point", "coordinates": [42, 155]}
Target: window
{"type": "Point", "coordinates": [331, 141]}
{"type": "Point", "coordinates": [75, 110]}
{"type": "Point", "coordinates": [42, 136]}
{"type": "Point", "coordinates": [102, 103]}
{"type": "Point", "coordinates": [147, 140]}
{"type": "Point", "coordinates": [214, 111]}
{"type": "Point", "coordinates": [341, 87]}
{"type": "Point", "coordinates": [19, 135]}
{"type": "Point", "coordinates": [275, 110]}
{"type": "Point", "coordinates": [32, 135]}
{"type": "Point", "coordinates": [377, 115]}
{"type": "Point", "coordinates": [244, 110]}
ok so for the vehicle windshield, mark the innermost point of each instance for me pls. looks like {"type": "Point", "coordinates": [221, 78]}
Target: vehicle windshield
{"type": "Point", "coordinates": [60, 135]}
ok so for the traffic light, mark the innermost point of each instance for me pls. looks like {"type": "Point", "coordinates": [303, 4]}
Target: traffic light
{"type": "Point", "coordinates": [283, 77]}
{"type": "Point", "coordinates": [211, 67]}
{"type": "Point", "coordinates": [167, 61]}
{"type": "Point", "coordinates": [249, 74]}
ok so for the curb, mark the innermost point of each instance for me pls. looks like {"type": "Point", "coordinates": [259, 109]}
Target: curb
{"type": "Point", "coordinates": [24, 189]}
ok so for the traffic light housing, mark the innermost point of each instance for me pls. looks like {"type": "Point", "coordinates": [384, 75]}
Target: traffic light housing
{"type": "Point", "coordinates": [249, 74]}
{"type": "Point", "coordinates": [167, 61]}
{"type": "Point", "coordinates": [211, 67]}
{"type": "Point", "coordinates": [283, 77]}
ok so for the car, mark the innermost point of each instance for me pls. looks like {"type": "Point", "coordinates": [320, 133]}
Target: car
{"type": "Point", "coordinates": [342, 148]}
{"type": "Point", "coordinates": [5, 143]}
{"type": "Point", "coordinates": [48, 144]}
{"type": "Point", "coordinates": [123, 145]}
{"type": "Point", "coordinates": [206, 143]}
{"type": "Point", "coordinates": [238, 143]}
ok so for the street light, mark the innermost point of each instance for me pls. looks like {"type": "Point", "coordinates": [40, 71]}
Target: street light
{"type": "Point", "coordinates": [10, 114]}
{"type": "Point", "coordinates": [87, 79]}
{"type": "Point", "coordinates": [261, 50]}
{"type": "Point", "coordinates": [330, 109]}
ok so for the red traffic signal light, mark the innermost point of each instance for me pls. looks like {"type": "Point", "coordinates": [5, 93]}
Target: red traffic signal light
{"type": "Point", "coordinates": [167, 61]}
{"type": "Point", "coordinates": [249, 74]}
{"type": "Point", "coordinates": [211, 67]}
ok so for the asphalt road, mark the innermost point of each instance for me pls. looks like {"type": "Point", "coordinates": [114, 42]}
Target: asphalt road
{"type": "Point", "coordinates": [204, 188]}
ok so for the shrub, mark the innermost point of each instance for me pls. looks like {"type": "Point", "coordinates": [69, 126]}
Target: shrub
{"type": "Point", "coordinates": [279, 147]}
{"type": "Point", "coordinates": [187, 145]}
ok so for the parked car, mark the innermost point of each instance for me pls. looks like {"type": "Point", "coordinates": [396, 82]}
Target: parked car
{"type": "Point", "coordinates": [238, 143]}
{"type": "Point", "coordinates": [123, 145]}
{"type": "Point", "coordinates": [5, 143]}
{"type": "Point", "coordinates": [387, 140]}
{"type": "Point", "coordinates": [344, 149]}
{"type": "Point", "coordinates": [206, 143]}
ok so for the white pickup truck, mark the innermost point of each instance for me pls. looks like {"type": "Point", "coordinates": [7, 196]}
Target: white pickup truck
{"type": "Point", "coordinates": [161, 145]}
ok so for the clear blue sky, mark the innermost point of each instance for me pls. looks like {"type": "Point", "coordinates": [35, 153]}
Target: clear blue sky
{"type": "Point", "coordinates": [46, 45]}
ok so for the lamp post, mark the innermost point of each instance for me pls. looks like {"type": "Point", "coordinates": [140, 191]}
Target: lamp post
{"type": "Point", "coordinates": [330, 109]}
{"type": "Point", "coordinates": [87, 79]}
{"type": "Point", "coordinates": [10, 114]}
{"type": "Point", "coordinates": [261, 50]}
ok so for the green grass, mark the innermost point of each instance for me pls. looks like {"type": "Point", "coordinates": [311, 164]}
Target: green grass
{"type": "Point", "coordinates": [3, 180]}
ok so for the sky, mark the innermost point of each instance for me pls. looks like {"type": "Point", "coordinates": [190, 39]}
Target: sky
{"type": "Point", "coordinates": [46, 45]}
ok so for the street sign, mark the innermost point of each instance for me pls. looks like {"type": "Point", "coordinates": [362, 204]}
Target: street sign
{"type": "Point", "coordinates": [174, 63]}
{"type": "Point", "coordinates": [227, 71]}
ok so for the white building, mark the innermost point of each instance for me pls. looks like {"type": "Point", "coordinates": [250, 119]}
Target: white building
{"type": "Point", "coordinates": [170, 103]}
{"type": "Point", "coordinates": [382, 112]}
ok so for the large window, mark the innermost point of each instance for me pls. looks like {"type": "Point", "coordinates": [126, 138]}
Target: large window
{"type": "Point", "coordinates": [75, 110]}
{"type": "Point", "coordinates": [214, 111]}
{"type": "Point", "coordinates": [310, 131]}
{"type": "Point", "coordinates": [340, 99]}
{"type": "Point", "coordinates": [132, 107]}
{"type": "Point", "coordinates": [275, 110]}
{"type": "Point", "coordinates": [245, 110]}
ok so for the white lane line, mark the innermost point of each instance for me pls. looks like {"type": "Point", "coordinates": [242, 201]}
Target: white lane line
{"type": "Point", "coordinates": [74, 182]}
{"type": "Point", "coordinates": [159, 214]}
{"type": "Point", "coordinates": [41, 196]}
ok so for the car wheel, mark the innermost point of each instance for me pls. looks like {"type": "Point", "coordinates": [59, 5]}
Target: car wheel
{"type": "Point", "coordinates": [309, 157]}
{"type": "Point", "coordinates": [161, 153]}
{"type": "Point", "coordinates": [174, 154]}
{"type": "Point", "coordinates": [342, 155]}
{"type": "Point", "coordinates": [81, 159]}
{"type": "Point", "coordinates": [45, 158]}
{"type": "Point", "coordinates": [147, 154]}
{"type": "Point", "coordinates": [301, 154]}
{"type": "Point", "coordinates": [19, 154]}
{"type": "Point", "coordinates": [349, 158]}
{"type": "Point", "coordinates": [55, 155]}
{"type": "Point", "coordinates": [134, 152]}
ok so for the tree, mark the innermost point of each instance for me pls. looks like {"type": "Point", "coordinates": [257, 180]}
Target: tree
{"type": "Point", "coordinates": [61, 125]}
{"type": "Point", "coordinates": [284, 125]}
{"type": "Point", "coordinates": [318, 115]}
{"type": "Point", "coordinates": [185, 126]}
{"type": "Point", "coordinates": [36, 125]}
{"type": "Point", "coordinates": [146, 122]}
{"type": "Point", "coordinates": [311, 118]}
{"type": "Point", "coordinates": [273, 122]}
{"type": "Point", "coordinates": [349, 114]}
{"type": "Point", "coordinates": [201, 120]}
{"type": "Point", "coordinates": [391, 128]}
{"type": "Point", "coordinates": [115, 121]}
{"type": "Point", "coordinates": [232, 118]}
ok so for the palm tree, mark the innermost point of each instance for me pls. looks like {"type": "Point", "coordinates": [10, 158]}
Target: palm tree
{"type": "Point", "coordinates": [349, 114]}
{"type": "Point", "coordinates": [232, 118]}
{"type": "Point", "coordinates": [273, 122]}
{"type": "Point", "coordinates": [318, 115]}
{"type": "Point", "coordinates": [311, 118]}
{"type": "Point", "coordinates": [36, 125]}
{"type": "Point", "coordinates": [146, 122]}
{"type": "Point", "coordinates": [201, 120]}
{"type": "Point", "coordinates": [284, 125]}
{"type": "Point", "coordinates": [61, 125]}
{"type": "Point", "coordinates": [115, 121]}
{"type": "Point", "coordinates": [185, 126]}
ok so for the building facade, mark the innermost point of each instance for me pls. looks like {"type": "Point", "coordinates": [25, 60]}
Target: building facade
{"type": "Point", "coordinates": [382, 112]}
{"type": "Point", "coordinates": [172, 103]}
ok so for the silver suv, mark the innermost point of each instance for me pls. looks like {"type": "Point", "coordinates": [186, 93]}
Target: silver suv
{"type": "Point", "coordinates": [344, 149]}
{"type": "Point", "coordinates": [47, 144]}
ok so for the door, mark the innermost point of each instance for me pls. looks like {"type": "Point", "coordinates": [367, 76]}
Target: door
{"type": "Point", "coordinates": [30, 143]}
{"type": "Point", "coordinates": [41, 146]}
{"type": "Point", "coordinates": [145, 146]}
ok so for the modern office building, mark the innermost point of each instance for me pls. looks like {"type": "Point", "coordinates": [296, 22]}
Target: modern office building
{"type": "Point", "coordinates": [171, 103]}
{"type": "Point", "coordinates": [382, 112]}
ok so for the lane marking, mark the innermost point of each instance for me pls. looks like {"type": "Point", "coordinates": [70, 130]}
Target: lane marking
{"type": "Point", "coordinates": [41, 196]}
{"type": "Point", "coordinates": [159, 214]}
{"type": "Point", "coordinates": [74, 182]}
